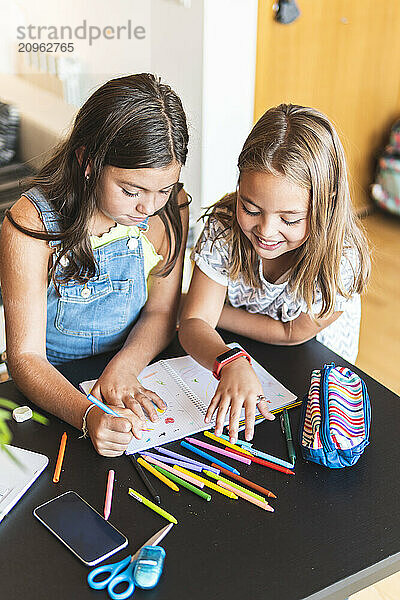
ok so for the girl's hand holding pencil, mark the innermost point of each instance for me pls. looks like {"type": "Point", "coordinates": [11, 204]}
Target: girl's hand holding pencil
{"type": "Point", "coordinates": [239, 386]}
{"type": "Point", "coordinates": [119, 386]}
{"type": "Point", "coordinates": [111, 435]}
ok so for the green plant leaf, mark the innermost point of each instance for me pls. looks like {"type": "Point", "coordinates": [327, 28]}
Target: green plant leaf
{"type": "Point", "coordinates": [5, 403]}
{"type": "Point", "coordinates": [4, 415]}
{"type": "Point", "coordinates": [13, 458]}
{"type": "Point", "coordinates": [10, 405]}
{"type": "Point", "coordinates": [40, 418]}
{"type": "Point", "coordinates": [5, 433]}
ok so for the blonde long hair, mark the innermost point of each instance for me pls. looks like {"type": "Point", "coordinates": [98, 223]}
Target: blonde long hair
{"type": "Point", "coordinates": [300, 143]}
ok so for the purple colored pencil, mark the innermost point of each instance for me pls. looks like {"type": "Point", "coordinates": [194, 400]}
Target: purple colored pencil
{"type": "Point", "coordinates": [175, 455]}
{"type": "Point", "coordinates": [196, 442]}
{"type": "Point", "coordinates": [173, 461]}
{"type": "Point", "coordinates": [186, 459]}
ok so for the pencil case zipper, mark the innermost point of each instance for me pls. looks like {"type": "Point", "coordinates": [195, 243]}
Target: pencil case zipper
{"type": "Point", "coordinates": [324, 431]}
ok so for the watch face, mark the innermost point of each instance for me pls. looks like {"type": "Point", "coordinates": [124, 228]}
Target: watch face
{"type": "Point", "coordinates": [229, 354]}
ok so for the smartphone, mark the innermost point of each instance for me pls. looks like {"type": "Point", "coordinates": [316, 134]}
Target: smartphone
{"type": "Point", "coordinates": [81, 528]}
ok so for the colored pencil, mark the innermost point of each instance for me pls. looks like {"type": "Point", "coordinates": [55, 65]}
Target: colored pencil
{"type": "Point", "coordinates": [285, 424]}
{"type": "Point", "coordinates": [251, 484]}
{"type": "Point", "coordinates": [249, 447]}
{"type": "Point", "coordinates": [209, 457]}
{"type": "Point", "coordinates": [109, 493]}
{"type": "Point", "coordinates": [145, 479]}
{"type": "Point", "coordinates": [271, 458]}
{"type": "Point", "coordinates": [186, 484]}
{"type": "Point", "coordinates": [60, 458]}
{"type": "Point", "coordinates": [269, 464]}
{"type": "Point", "coordinates": [157, 474]}
{"type": "Point", "coordinates": [196, 442]}
{"type": "Point", "coordinates": [184, 458]}
{"type": "Point", "coordinates": [211, 485]}
{"type": "Point", "coordinates": [261, 504]}
{"type": "Point", "coordinates": [172, 461]}
{"type": "Point", "coordinates": [224, 442]}
{"type": "Point", "coordinates": [235, 485]}
{"type": "Point", "coordinates": [188, 478]}
{"type": "Point", "coordinates": [151, 505]}
{"type": "Point", "coordinates": [101, 405]}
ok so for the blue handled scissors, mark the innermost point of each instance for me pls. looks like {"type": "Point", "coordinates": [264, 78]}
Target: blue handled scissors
{"type": "Point", "coordinates": [118, 574]}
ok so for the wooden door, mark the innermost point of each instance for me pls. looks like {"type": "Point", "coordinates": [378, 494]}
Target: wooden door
{"type": "Point", "coordinates": [343, 58]}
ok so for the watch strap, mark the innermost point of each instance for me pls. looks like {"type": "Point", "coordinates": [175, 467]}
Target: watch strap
{"type": "Point", "coordinates": [226, 357]}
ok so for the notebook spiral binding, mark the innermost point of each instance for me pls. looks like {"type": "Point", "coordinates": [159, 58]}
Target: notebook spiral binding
{"type": "Point", "coordinates": [193, 397]}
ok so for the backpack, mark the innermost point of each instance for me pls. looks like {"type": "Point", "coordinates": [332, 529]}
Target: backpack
{"type": "Point", "coordinates": [386, 189]}
{"type": "Point", "coordinates": [335, 418]}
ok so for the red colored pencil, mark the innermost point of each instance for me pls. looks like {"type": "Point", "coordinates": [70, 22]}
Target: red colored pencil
{"type": "Point", "coordinates": [247, 482]}
{"type": "Point", "coordinates": [265, 463]}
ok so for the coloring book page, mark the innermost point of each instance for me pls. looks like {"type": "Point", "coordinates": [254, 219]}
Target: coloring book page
{"type": "Point", "coordinates": [202, 382]}
{"type": "Point", "coordinates": [187, 389]}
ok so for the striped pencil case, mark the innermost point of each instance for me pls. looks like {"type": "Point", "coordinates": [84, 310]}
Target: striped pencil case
{"type": "Point", "coordinates": [335, 419]}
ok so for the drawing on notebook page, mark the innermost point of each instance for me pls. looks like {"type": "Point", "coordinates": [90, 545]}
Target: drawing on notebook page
{"type": "Point", "coordinates": [187, 400]}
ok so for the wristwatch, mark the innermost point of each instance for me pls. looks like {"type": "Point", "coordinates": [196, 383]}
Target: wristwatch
{"type": "Point", "coordinates": [227, 357]}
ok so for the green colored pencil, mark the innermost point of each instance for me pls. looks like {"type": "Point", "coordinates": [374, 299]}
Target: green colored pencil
{"type": "Point", "coordinates": [183, 483]}
{"type": "Point", "coordinates": [288, 435]}
{"type": "Point", "coordinates": [239, 487]}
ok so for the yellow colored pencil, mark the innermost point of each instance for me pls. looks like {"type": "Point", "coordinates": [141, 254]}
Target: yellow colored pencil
{"type": "Point", "coordinates": [260, 503]}
{"type": "Point", "coordinates": [209, 484]}
{"type": "Point", "coordinates": [226, 443]}
{"type": "Point", "coordinates": [157, 474]}
{"type": "Point", "coordinates": [235, 485]}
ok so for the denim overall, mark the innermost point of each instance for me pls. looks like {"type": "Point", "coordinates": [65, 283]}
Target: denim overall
{"type": "Point", "coordinates": [98, 315]}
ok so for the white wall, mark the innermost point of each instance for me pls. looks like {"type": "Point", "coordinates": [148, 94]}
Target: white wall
{"type": "Point", "coordinates": [206, 52]}
{"type": "Point", "coordinates": [177, 56]}
{"type": "Point", "coordinates": [230, 37]}
{"type": "Point", "coordinates": [100, 60]}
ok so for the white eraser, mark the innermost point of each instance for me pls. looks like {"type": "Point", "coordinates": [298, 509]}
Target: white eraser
{"type": "Point", "coordinates": [22, 413]}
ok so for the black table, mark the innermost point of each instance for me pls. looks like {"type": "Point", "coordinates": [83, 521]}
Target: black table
{"type": "Point", "coordinates": [333, 533]}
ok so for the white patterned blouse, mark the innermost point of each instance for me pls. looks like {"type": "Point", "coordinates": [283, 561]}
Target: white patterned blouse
{"type": "Point", "coordinates": [275, 299]}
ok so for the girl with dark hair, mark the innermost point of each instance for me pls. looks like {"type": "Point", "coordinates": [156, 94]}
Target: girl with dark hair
{"type": "Point", "coordinates": [92, 254]}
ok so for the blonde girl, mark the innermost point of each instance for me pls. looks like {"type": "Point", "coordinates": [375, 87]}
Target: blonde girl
{"type": "Point", "coordinates": [284, 251]}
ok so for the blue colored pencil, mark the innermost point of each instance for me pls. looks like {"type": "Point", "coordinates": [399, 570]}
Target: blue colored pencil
{"type": "Point", "coordinates": [101, 405]}
{"type": "Point", "coordinates": [209, 457]}
{"type": "Point", "coordinates": [249, 447]}
{"type": "Point", "coordinates": [274, 459]}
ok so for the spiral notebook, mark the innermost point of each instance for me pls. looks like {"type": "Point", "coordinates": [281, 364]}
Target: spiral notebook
{"type": "Point", "coordinates": [187, 389]}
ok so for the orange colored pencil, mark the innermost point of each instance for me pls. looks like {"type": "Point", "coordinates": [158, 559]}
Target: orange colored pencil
{"type": "Point", "coordinates": [247, 482]}
{"type": "Point", "coordinates": [60, 458]}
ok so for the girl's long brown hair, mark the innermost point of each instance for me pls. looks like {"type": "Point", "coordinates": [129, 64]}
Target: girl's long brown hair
{"type": "Point", "coordinates": [130, 122]}
{"type": "Point", "coordinates": [300, 143]}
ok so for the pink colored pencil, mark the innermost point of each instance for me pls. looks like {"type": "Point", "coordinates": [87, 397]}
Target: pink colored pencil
{"type": "Point", "coordinates": [109, 493]}
{"type": "Point", "coordinates": [245, 496]}
{"type": "Point", "coordinates": [192, 480]}
{"type": "Point", "coordinates": [240, 458]}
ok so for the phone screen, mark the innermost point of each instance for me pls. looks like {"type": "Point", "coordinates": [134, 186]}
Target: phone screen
{"type": "Point", "coordinates": [82, 529]}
